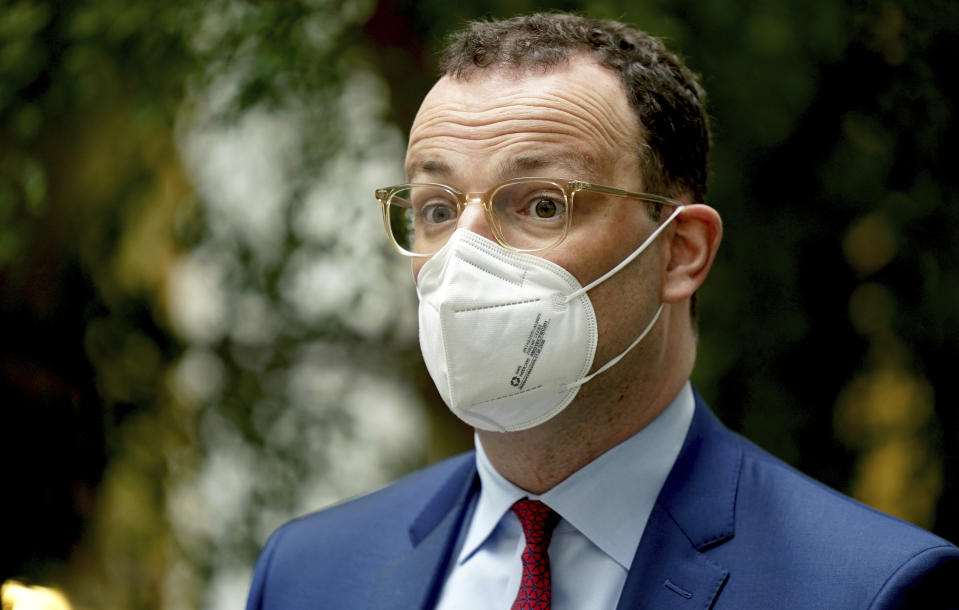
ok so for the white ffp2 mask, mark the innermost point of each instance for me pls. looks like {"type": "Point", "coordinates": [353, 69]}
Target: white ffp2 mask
{"type": "Point", "coordinates": [508, 337]}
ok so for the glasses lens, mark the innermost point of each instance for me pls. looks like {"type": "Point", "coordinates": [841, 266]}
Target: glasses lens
{"type": "Point", "coordinates": [530, 215]}
{"type": "Point", "coordinates": [422, 217]}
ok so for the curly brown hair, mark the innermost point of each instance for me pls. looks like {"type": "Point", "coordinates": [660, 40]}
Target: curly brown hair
{"type": "Point", "coordinates": [665, 94]}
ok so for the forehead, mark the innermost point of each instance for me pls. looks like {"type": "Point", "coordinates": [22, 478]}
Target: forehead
{"type": "Point", "coordinates": [497, 124]}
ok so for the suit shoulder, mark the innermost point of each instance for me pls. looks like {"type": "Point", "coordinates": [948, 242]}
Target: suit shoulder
{"type": "Point", "coordinates": [395, 503]}
{"type": "Point", "coordinates": [767, 480]}
{"type": "Point", "coordinates": [775, 498]}
{"type": "Point", "coordinates": [798, 543]}
{"type": "Point", "coordinates": [330, 555]}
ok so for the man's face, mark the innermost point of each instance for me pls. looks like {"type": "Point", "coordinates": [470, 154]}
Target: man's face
{"type": "Point", "coordinates": [573, 122]}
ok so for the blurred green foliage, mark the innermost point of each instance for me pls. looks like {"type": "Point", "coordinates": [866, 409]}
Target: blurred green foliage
{"type": "Point", "coordinates": [828, 327]}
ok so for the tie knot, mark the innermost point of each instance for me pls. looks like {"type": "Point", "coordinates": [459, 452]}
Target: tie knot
{"type": "Point", "coordinates": [537, 519]}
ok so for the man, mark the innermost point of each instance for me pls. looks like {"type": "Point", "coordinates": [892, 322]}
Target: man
{"type": "Point", "coordinates": [555, 318]}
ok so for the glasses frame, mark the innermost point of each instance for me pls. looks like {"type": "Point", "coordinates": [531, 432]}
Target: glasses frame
{"type": "Point", "coordinates": [463, 199]}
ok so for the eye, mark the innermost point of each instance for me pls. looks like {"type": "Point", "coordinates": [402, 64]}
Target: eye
{"type": "Point", "coordinates": [545, 208]}
{"type": "Point", "coordinates": [433, 205]}
{"type": "Point", "coordinates": [438, 213]}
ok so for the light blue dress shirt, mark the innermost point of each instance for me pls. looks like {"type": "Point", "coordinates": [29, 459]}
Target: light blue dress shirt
{"type": "Point", "coordinates": [604, 508]}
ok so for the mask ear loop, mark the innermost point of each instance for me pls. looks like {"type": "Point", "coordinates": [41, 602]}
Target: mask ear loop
{"type": "Point", "coordinates": [605, 277]}
{"type": "Point", "coordinates": [612, 362]}
{"type": "Point", "coordinates": [652, 237]}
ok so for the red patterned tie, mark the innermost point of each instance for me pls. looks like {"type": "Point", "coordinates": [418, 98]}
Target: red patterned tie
{"type": "Point", "coordinates": [538, 521]}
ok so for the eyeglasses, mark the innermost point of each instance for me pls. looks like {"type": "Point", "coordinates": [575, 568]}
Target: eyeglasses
{"type": "Point", "coordinates": [524, 214]}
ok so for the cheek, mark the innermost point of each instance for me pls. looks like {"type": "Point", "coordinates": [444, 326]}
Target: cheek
{"type": "Point", "coordinates": [600, 241]}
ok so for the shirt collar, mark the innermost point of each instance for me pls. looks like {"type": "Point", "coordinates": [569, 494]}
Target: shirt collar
{"type": "Point", "coordinates": [609, 500]}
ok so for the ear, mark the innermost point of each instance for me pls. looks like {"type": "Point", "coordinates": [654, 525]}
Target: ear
{"type": "Point", "coordinates": [693, 245]}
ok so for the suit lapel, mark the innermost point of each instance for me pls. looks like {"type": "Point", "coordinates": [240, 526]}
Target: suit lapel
{"type": "Point", "coordinates": [412, 579]}
{"type": "Point", "coordinates": [669, 572]}
{"type": "Point", "coordinates": [695, 511]}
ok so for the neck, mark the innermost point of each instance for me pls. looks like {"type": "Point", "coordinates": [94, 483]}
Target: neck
{"type": "Point", "coordinates": [607, 411]}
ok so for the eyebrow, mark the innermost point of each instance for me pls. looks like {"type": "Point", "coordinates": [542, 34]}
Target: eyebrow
{"type": "Point", "coordinates": [432, 167]}
{"type": "Point", "coordinates": [581, 166]}
{"type": "Point", "coordinates": [577, 165]}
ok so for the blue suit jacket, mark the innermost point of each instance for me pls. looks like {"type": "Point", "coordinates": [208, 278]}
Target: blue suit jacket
{"type": "Point", "coordinates": [732, 528]}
